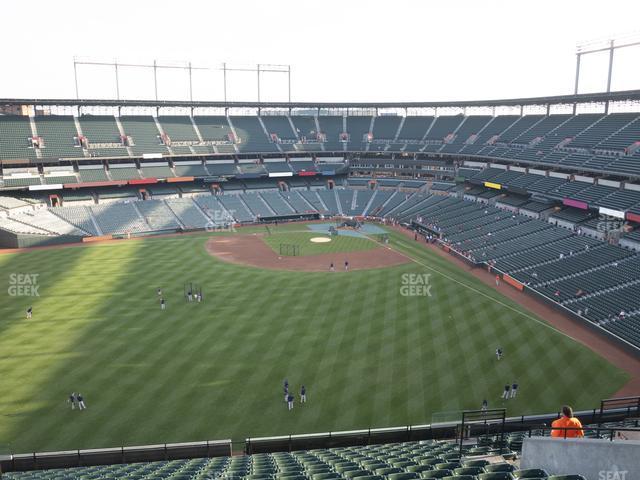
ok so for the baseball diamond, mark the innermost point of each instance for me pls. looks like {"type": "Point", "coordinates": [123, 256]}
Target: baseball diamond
{"type": "Point", "coordinates": [348, 332]}
{"type": "Point", "coordinates": [262, 240]}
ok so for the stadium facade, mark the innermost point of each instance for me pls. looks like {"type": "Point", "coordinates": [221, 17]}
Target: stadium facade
{"type": "Point", "coordinates": [562, 187]}
{"type": "Point", "coordinates": [550, 200]}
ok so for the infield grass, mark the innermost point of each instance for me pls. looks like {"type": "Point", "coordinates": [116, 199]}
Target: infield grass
{"type": "Point", "coordinates": [369, 356]}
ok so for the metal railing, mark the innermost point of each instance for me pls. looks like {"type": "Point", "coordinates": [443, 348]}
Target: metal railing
{"type": "Point", "coordinates": [612, 433]}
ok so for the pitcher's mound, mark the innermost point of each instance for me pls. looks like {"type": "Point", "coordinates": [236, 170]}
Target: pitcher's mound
{"type": "Point", "coordinates": [250, 250]}
{"type": "Point", "coordinates": [320, 239]}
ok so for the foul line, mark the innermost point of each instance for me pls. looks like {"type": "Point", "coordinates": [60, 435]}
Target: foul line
{"type": "Point", "coordinates": [500, 302]}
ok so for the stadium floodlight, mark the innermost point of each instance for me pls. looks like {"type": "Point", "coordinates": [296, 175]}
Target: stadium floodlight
{"type": "Point", "coordinates": [259, 69]}
{"type": "Point", "coordinates": [603, 45]}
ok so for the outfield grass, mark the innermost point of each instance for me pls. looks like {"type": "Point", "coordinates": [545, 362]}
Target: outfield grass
{"type": "Point", "coordinates": [338, 244]}
{"type": "Point", "coordinates": [368, 355]}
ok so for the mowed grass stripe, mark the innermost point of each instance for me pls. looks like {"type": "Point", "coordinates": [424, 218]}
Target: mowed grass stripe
{"type": "Point", "coordinates": [559, 359]}
{"type": "Point", "coordinates": [47, 388]}
{"type": "Point", "coordinates": [368, 355]}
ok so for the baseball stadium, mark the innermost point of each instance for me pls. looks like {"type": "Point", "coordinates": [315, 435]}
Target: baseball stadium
{"type": "Point", "coordinates": [299, 290]}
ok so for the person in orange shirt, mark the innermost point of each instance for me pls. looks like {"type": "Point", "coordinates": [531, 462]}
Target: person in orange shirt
{"type": "Point", "coordinates": [567, 421]}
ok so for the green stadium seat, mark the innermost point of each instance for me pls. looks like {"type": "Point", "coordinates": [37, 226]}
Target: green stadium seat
{"type": "Point", "coordinates": [475, 463]}
{"type": "Point", "coordinates": [313, 469]}
{"type": "Point", "coordinates": [373, 464]}
{"type": "Point", "coordinates": [403, 476]}
{"type": "Point", "coordinates": [356, 473]}
{"type": "Point", "coordinates": [436, 474]}
{"type": "Point", "coordinates": [343, 468]}
{"type": "Point", "coordinates": [284, 470]}
{"type": "Point", "coordinates": [468, 470]}
{"type": "Point", "coordinates": [144, 134]}
{"type": "Point", "coordinates": [387, 471]}
{"type": "Point", "coordinates": [500, 467]}
{"type": "Point", "coordinates": [60, 135]}
{"type": "Point", "coordinates": [15, 132]}
{"type": "Point", "coordinates": [496, 476]}
{"type": "Point", "coordinates": [291, 477]}
{"type": "Point", "coordinates": [402, 463]}
{"type": "Point", "coordinates": [419, 468]}
{"type": "Point", "coordinates": [566, 477]}
{"type": "Point", "coordinates": [451, 456]}
{"type": "Point", "coordinates": [531, 473]}
{"type": "Point", "coordinates": [326, 476]}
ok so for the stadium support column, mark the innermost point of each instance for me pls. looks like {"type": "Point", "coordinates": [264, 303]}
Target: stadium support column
{"type": "Point", "coordinates": [155, 78]}
{"type": "Point", "coordinates": [115, 65]}
{"type": "Point", "coordinates": [258, 70]}
{"type": "Point", "coordinates": [289, 81]}
{"type": "Point", "coordinates": [190, 84]}
{"type": "Point", "coordinates": [75, 76]}
{"type": "Point", "coordinates": [224, 81]}
{"type": "Point", "coordinates": [575, 88]}
{"type": "Point", "coordinates": [611, 50]}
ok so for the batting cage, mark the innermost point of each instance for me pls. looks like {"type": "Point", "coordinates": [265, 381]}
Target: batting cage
{"type": "Point", "coordinates": [289, 250]}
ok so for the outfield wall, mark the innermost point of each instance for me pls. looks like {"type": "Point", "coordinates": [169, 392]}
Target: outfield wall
{"type": "Point", "coordinates": [22, 240]}
{"type": "Point", "coordinates": [628, 347]}
{"type": "Point", "coordinates": [621, 342]}
{"type": "Point", "coordinates": [288, 443]}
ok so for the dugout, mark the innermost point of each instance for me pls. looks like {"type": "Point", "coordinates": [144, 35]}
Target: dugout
{"type": "Point", "coordinates": [294, 217]}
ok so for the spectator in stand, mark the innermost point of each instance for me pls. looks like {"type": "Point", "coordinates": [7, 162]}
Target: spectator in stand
{"type": "Point", "coordinates": [567, 421]}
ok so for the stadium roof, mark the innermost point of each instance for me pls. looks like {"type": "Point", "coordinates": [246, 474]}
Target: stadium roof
{"type": "Point", "coordinates": [620, 96]}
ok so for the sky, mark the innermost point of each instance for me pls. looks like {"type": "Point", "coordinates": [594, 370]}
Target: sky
{"type": "Point", "coordinates": [400, 50]}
